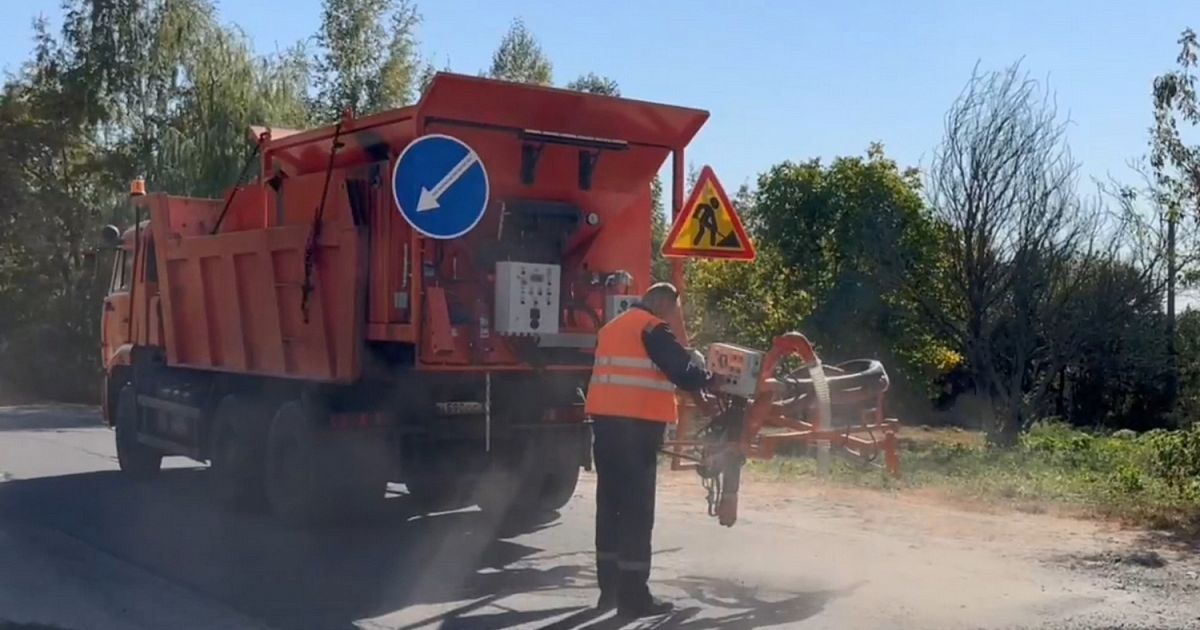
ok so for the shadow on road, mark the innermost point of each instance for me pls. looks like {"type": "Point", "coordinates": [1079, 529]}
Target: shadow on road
{"type": "Point", "coordinates": [330, 578]}
{"type": "Point", "coordinates": [290, 578]}
{"type": "Point", "coordinates": [49, 417]}
{"type": "Point", "coordinates": [747, 607]}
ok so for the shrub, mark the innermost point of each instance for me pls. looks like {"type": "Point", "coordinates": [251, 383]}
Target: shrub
{"type": "Point", "coordinates": [1174, 456]}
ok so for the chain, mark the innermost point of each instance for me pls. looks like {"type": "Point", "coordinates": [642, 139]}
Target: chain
{"type": "Point", "coordinates": [712, 487]}
{"type": "Point", "coordinates": [310, 252]}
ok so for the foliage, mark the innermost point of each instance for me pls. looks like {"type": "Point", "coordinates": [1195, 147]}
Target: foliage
{"type": "Point", "coordinates": [1002, 182]}
{"type": "Point", "coordinates": [350, 73]}
{"type": "Point", "coordinates": [746, 303]}
{"type": "Point", "coordinates": [660, 267]}
{"type": "Point", "coordinates": [1177, 164]}
{"type": "Point", "coordinates": [595, 84]}
{"type": "Point", "coordinates": [1113, 374]}
{"type": "Point", "coordinates": [840, 246]}
{"type": "Point", "coordinates": [1147, 479]}
{"type": "Point", "coordinates": [520, 58]}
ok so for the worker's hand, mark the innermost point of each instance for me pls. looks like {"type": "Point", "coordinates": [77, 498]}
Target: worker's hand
{"type": "Point", "coordinates": [697, 359]}
{"type": "Point", "coordinates": [706, 401]}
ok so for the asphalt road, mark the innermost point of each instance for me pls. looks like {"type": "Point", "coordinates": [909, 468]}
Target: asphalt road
{"type": "Point", "coordinates": [83, 547]}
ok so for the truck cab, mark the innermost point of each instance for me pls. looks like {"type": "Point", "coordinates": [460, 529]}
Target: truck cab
{"type": "Point", "coordinates": [127, 319]}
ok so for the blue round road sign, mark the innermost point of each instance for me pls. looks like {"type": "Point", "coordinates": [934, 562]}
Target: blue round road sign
{"type": "Point", "coordinates": [440, 186]}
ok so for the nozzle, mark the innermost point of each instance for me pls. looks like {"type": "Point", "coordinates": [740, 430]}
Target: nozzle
{"type": "Point", "coordinates": [727, 511]}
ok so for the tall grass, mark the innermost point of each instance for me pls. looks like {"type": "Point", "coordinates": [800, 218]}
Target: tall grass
{"type": "Point", "coordinates": [1152, 479]}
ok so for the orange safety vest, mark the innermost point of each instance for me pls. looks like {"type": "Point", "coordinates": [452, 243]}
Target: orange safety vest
{"type": "Point", "coordinates": [625, 382]}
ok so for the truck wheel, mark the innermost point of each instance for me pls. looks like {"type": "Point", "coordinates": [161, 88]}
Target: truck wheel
{"type": "Point", "coordinates": [361, 468]}
{"type": "Point", "coordinates": [135, 459]}
{"type": "Point", "coordinates": [440, 492]}
{"type": "Point", "coordinates": [236, 453]}
{"type": "Point", "coordinates": [292, 476]}
{"type": "Point", "coordinates": [558, 488]}
{"type": "Point", "coordinates": [532, 479]}
{"type": "Point", "coordinates": [313, 476]}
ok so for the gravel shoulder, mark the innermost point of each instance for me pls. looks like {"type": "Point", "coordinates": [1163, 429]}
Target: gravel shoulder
{"type": "Point", "coordinates": [1015, 569]}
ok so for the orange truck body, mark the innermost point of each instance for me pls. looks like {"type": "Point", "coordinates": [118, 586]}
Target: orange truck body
{"type": "Point", "coordinates": [209, 295]}
{"type": "Point", "coordinates": [231, 301]}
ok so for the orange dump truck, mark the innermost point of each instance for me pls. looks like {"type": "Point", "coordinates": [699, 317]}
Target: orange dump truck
{"type": "Point", "coordinates": [410, 296]}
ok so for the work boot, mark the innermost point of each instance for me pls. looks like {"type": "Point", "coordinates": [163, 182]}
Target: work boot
{"type": "Point", "coordinates": [607, 600]}
{"type": "Point", "coordinates": [635, 599]}
{"type": "Point", "coordinates": [609, 581]}
{"type": "Point", "coordinates": [648, 607]}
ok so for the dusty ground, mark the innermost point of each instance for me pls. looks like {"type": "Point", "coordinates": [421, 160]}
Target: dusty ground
{"type": "Point", "coordinates": [82, 547]}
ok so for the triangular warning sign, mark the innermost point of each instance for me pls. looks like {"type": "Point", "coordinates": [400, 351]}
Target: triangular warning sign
{"type": "Point", "coordinates": [707, 225]}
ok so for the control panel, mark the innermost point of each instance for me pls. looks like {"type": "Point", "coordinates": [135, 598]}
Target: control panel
{"type": "Point", "coordinates": [527, 298]}
{"type": "Point", "coordinates": [736, 368]}
{"type": "Point", "coordinates": [616, 304]}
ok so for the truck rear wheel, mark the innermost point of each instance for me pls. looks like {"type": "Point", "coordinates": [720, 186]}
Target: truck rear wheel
{"type": "Point", "coordinates": [315, 475]}
{"type": "Point", "coordinates": [531, 478]}
{"type": "Point", "coordinates": [441, 492]}
{"type": "Point", "coordinates": [236, 453]}
{"type": "Point", "coordinates": [293, 476]}
{"type": "Point", "coordinates": [135, 459]}
{"type": "Point", "coordinates": [557, 488]}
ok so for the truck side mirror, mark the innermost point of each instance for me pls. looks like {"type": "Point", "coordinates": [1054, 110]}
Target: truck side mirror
{"type": "Point", "coordinates": [110, 237]}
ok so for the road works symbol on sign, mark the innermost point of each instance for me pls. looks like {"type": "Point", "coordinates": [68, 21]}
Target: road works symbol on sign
{"type": "Point", "coordinates": [440, 186]}
{"type": "Point", "coordinates": [707, 225]}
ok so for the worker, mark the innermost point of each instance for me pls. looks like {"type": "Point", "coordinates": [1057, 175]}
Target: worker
{"type": "Point", "coordinates": [631, 400]}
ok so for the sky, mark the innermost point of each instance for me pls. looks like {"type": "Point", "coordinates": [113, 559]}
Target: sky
{"type": "Point", "coordinates": [793, 80]}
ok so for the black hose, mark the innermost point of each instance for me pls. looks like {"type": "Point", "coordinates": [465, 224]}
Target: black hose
{"type": "Point", "coordinates": [241, 176]}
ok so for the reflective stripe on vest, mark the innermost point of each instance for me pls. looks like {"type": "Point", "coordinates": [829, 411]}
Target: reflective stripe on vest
{"type": "Point", "coordinates": [633, 381]}
{"type": "Point", "coordinates": [629, 362]}
{"type": "Point", "coordinates": [625, 382]}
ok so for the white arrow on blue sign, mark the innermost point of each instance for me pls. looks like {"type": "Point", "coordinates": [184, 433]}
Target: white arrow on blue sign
{"type": "Point", "coordinates": [440, 186]}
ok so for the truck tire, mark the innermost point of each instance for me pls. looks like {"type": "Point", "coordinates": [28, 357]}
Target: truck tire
{"type": "Point", "coordinates": [557, 489]}
{"type": "Point", "coordinates": [293, 475]}
{"type": "Point", "coordinates": [135, 459]}
{"type": "Point", "coordinates": [531, 479]}
{"type": "Point", "coordinates": [362, 461]}
{"type": "Point", "coordinates": [439, 493]}
{"type": "Point", "coordinates": [237, 448]}
{"type": "Point", "coordinates": [315, 476]}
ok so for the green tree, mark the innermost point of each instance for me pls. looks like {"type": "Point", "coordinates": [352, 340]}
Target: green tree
{"type": "Point", "coordinates": [660, 267]}
{"type": "Point", "coordinates": [1176, 167]}
{"type": "Point", "coordinates": [519, 58]}
{"type": "Point", "coordinates": [350, 72]}
{"type": "Point", "coordinates": [203, 145]}
{"type": "Point", "coordinates": [128, 87]}
{"type": "Point", "coordinates": [840, 248]}
{"type": "Point", "coordinates": [595, 84]}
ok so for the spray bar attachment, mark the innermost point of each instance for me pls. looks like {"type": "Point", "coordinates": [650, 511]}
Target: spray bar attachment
{"type": "Point", "coordinates": [785, 397]}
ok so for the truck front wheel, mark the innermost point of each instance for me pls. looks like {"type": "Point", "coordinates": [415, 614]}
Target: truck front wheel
{"type": "Point", "coordinates": [135, 459]}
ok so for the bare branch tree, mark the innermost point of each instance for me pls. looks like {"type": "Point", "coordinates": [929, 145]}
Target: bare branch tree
{"type": "Point", "coordinates": [1003, 182]}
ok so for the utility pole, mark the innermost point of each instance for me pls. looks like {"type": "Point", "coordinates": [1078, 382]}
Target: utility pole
{"type": "Point", "coordinates": [1172, 363]}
